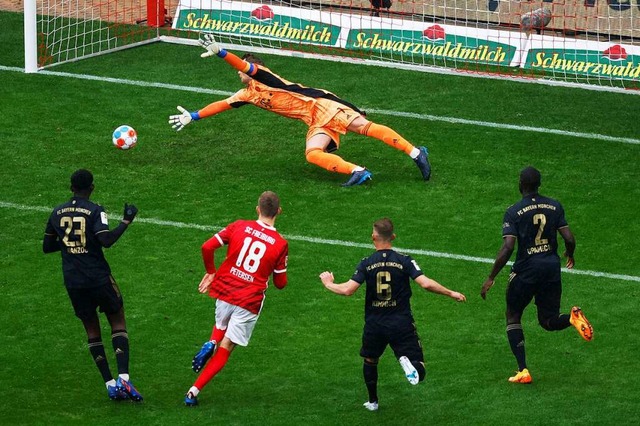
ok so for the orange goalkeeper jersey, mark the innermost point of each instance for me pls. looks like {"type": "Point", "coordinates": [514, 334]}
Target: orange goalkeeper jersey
{"type": "Point", "coordinates": [273, 93]}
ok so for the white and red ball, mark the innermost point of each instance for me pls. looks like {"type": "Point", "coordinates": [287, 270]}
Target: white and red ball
{"type": "Point", "coordinates": [536, 19]}
{"type": "Point", "coordinates": [125, 137]}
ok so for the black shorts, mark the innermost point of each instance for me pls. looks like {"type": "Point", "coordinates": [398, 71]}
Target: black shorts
{"type": "Point", "coordinates": [523, 288]}
{"type": "Point", "coordinates": [403, 339]}
{"type": "Point", "coordinates": [86, 300]}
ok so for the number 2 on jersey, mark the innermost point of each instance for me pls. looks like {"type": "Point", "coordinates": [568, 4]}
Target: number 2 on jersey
{"type": "Point", "coordinates": [250, 255]}
{"type": "Point", "coordinates": [541, 221]}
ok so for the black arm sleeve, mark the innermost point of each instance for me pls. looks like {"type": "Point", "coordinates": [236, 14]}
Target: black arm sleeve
{"type": "Point", "coordinates": [107, 239]}
{"type": "Point", "coordinates": [50, 243]}
{"type": "Point", "coordinates": [271, 80]}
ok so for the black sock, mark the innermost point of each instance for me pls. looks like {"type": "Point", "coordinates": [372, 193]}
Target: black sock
{"type": "Point", "coordinates": [420, 369]}
{"type": "Point", "coordinates": [370, 372]}
{"type": "Point", "coordinates": [120, 341]}
{"type": "Point", "coordinates": [97, 353]}
{"type": "Point", "coordinates": [516, 341]}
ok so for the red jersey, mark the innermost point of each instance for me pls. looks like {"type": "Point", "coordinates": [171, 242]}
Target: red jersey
{"type": "Point", "coordinates": [256, 250]}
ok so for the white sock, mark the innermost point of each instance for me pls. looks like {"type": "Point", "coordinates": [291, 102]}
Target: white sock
{"type": "Point", "coordinates": [124, 377]}
{"type": "Point", "coordinates": [414, 153]}
{"type": "Point", "coordinates": [358, 169]}
{"type": "Point", "coordinates": [110, 383]}
{"type": "Point", "coordinates": [194, 391]}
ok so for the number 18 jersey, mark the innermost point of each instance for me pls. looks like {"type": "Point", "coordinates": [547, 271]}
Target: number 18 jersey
{"type": "Point", "coordinates": [256, 250]}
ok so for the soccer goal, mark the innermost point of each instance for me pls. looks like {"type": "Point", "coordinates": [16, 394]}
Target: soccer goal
{"type": "Point", "coordinates": [589, 43]}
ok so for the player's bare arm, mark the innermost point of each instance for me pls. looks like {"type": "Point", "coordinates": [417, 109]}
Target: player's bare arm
{"type": "Point", "coordinates": [570, 245]}
{"type": "Point", "coordinates": [435, 287]}
{"type": "Point", "coordinates": [343, 289]}
{"type": "Point", "coordinates": [508, 244]}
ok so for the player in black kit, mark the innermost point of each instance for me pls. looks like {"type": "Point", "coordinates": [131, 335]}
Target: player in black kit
{"type": "Point", "coordinates": [535, 222]}
{"type": "Point", "coordinates": [79, 229]}
{"type": "Point", "coordinates": [387, 313]}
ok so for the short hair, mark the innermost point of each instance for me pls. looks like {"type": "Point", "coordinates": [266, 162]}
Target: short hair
{"type": "Point", "coordinates": [384, 228]}
{"type": "Point", "coordinates": [269, 204]}
{"type": "Point", "coordinates": [81, 180]}
{"type": "Point", "coordinates": [250, 57]}
{"type": "Point", "coordinates": [530, 178]}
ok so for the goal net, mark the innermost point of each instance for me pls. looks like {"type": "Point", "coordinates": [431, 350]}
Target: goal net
{"type": "Point", "coordinates": [595, 43]}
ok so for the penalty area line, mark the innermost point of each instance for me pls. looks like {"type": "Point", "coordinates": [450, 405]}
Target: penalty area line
{"type": "Point", "coordinates": [331, 242]}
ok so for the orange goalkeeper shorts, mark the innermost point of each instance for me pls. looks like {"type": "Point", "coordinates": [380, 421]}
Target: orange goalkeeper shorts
{"type": "Point", "coordinates": [332, 119]}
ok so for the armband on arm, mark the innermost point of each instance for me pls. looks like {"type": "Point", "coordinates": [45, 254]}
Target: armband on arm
{"type": "Point", "coordinates": [237, 63]}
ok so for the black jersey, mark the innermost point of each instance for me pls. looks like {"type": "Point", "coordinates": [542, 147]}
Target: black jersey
{"type": "Point", "coordinates": [535, 221]}
{"type": "Point", "coordinates": [387, 274]}
{"type": "Point", "coordinates": [76, 224]}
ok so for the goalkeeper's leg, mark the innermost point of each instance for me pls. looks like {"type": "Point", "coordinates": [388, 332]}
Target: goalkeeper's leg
{"type": "Point", "coordinates": [385, 134]}
{"type": "Point", "coordinates": [330, 162]}
{"type": "Point", "coordinates": [389, 136]}
{"type": "Point", "coordinates": [319, 141]}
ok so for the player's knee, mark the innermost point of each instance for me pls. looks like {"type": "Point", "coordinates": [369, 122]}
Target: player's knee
{"type": "Point", "coordinates": [117, 319]}
{"type": "Point", "coordinates": [371, 361]}
{"type": "Point", "coordinates": [312, 155]}
{"type": "Point", "coordinates": [513, 317]}
{"type": "Point", "coordinates": [545, 322]}
{"type": "Point", "coordinates": [361, 127]}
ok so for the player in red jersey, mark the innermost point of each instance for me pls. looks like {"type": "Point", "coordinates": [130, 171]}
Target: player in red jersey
{"type": "Point", "coordinates": [256, 251]}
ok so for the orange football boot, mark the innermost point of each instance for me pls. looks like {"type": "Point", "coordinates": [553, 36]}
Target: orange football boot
{"type": "Point", "coordinates": [521, 377]}
{"type": "Point", "coordinates": [580, 322]}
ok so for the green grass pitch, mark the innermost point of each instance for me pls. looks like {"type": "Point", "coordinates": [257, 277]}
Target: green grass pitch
{"type": "Point", "coordinates": [302, 365]}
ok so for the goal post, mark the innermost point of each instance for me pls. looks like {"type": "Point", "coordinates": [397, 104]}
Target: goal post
{"type": "Point", "coordinates": [59, 31]}
{"type": "Point", "coordinates": [589, 43]}
{"type": "Point", "coordinates": [30, 37]}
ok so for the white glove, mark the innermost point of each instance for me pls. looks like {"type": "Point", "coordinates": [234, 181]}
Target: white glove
{"type": "Point", "coordinates": [210, 45]}
{"type": "Point", "coordinates": [178, 121]}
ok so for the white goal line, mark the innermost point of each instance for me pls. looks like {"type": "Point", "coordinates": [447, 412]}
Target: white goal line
{"type": "Point", "coordinates": [314, 240]}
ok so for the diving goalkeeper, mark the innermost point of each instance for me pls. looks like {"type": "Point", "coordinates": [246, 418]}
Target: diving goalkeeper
{"type": "Point", "coordinates": [327, 115]}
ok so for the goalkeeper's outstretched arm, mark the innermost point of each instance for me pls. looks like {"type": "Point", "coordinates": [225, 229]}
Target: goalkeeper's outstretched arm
{"type": "Point", "coordinates": [208, 42]}
{"type": "Point", "coordinates": [185, 117]}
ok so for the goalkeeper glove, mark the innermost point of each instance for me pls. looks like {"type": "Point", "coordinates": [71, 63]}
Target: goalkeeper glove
{"type": "Point", "coordinates": [209, 44]}
{"type": "Point", "coordinates": [178, 121]}
{"type": "Point", "coordinates": [130, 212]}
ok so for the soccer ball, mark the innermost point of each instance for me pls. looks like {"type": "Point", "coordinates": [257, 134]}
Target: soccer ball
{"type": "Point", "coordinates": [125, 137]}
{"type": "Point", "coordinates": [536, 19]}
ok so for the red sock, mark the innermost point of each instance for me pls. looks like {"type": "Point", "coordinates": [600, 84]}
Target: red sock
{"type": "Point", "coordinates": [217, 334]}
{"type": "Point", "coordinates": [212, 368]}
